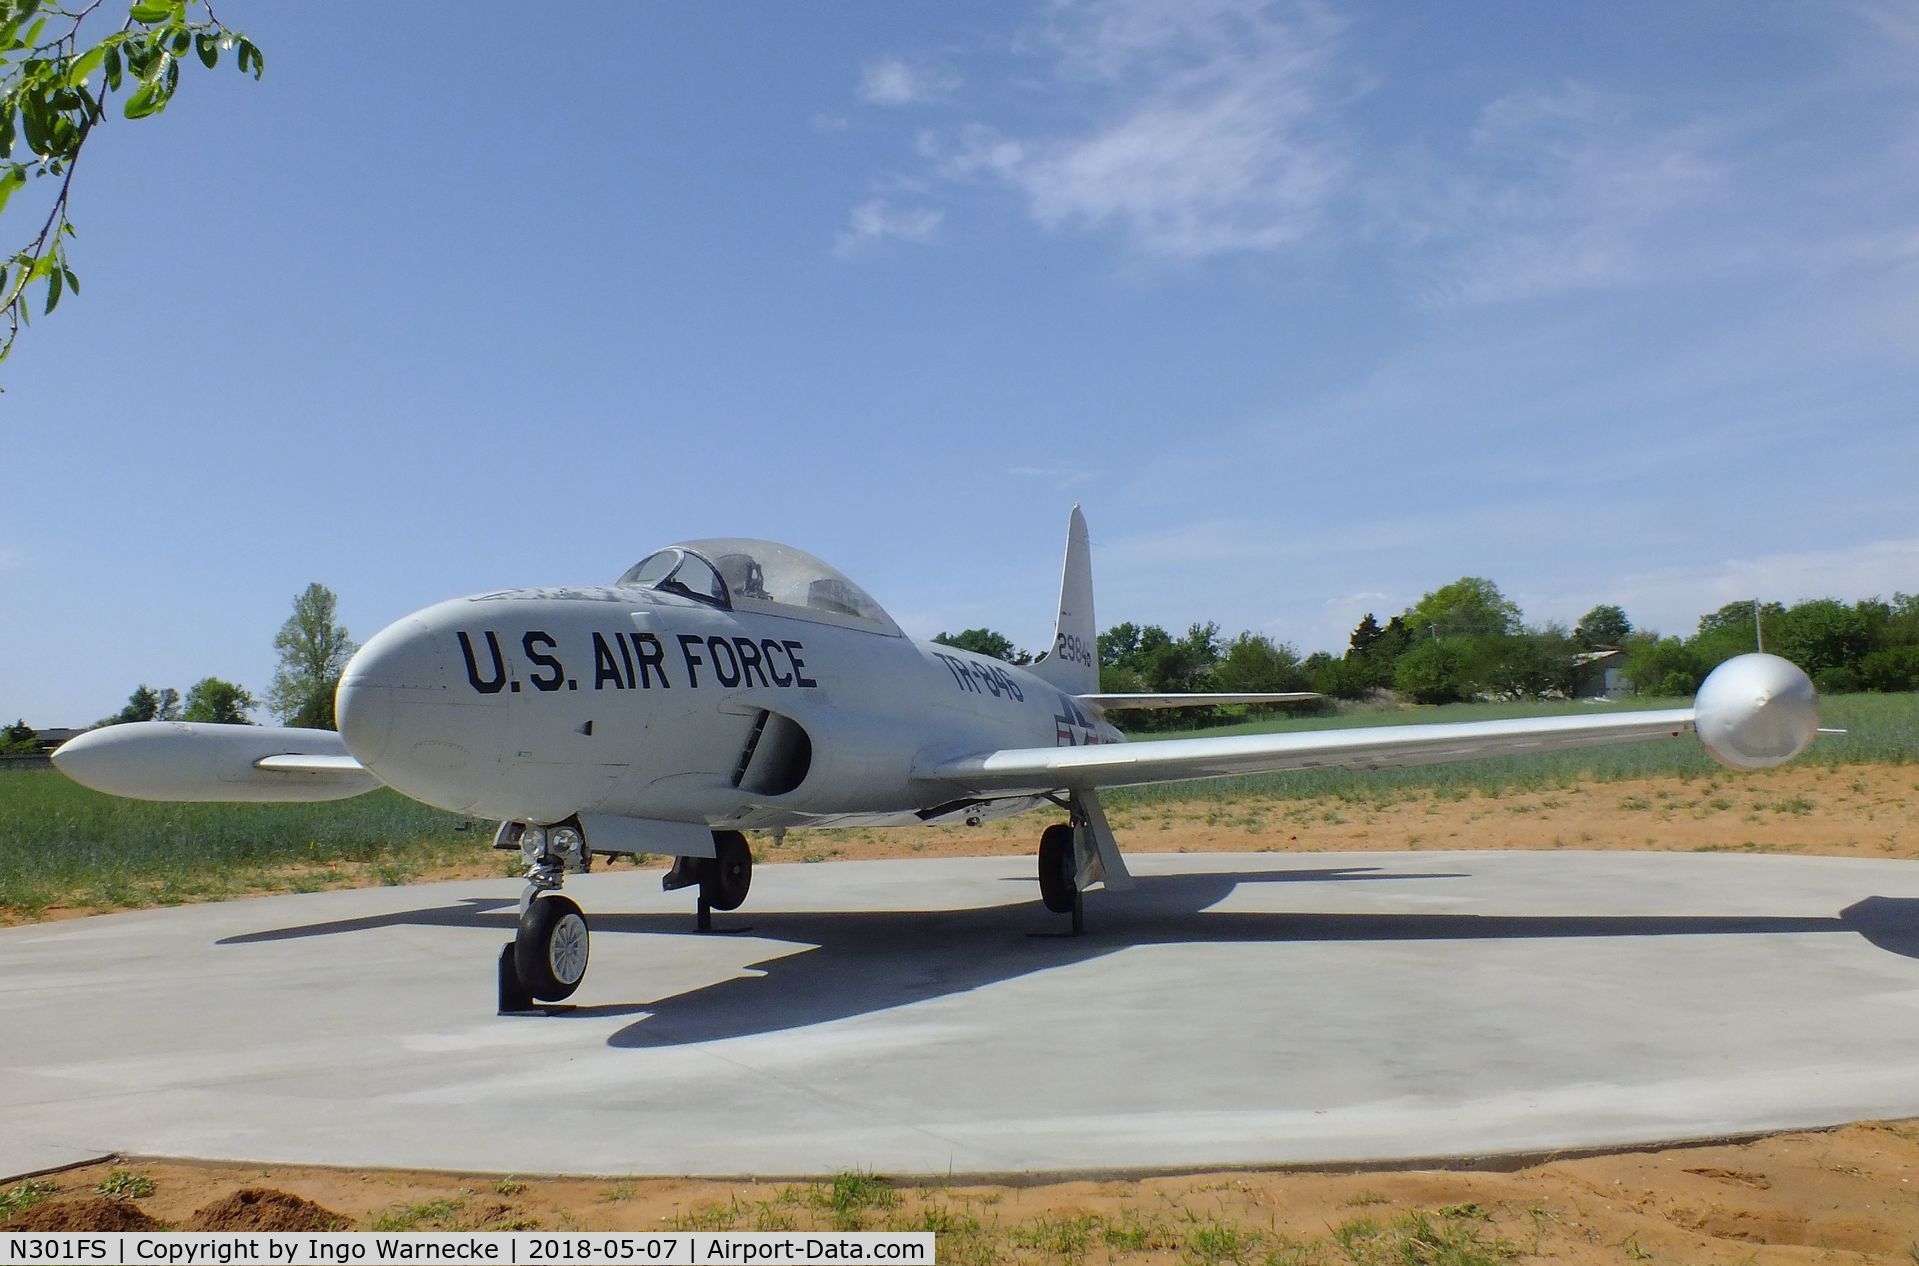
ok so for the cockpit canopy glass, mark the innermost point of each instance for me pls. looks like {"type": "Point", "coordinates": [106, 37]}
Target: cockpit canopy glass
{"type": "Point", "coordinates": [758, 575]}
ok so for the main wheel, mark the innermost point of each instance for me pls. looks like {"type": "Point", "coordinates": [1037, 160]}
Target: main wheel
{"type": "Point", "coordinates": [551, 948]}
{"type": "Point", "coordinates": [1058, 868]}
{"type": "Point", "coordinates": [727, 875]}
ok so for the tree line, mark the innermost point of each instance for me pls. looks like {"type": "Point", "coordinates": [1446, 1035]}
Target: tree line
{"type": "Point", "coordinates": [313, 648]}
{"type": "Point", "coordinates": [1467, 640]}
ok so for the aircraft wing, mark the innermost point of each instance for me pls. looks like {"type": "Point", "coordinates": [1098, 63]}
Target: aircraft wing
{"type": "Point", "coordinates": [299, 764]}
{"type": "Point", "coordinates": [1029, 769]}
{"type": "Point", "coordinates": [1109, 702]}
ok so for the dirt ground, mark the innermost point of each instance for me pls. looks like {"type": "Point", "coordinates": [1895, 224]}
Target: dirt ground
{"type": "Point", "coordinates": [1843, 1196]}
{"type": "Point", "coordinates": [1849, 1195]}
{"type": "Point", "coordinates": [1847, 811]}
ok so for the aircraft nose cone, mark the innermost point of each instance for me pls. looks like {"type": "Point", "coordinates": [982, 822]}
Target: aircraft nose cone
{"type": "Point", "coordinates": [394, 664]}
{"type": "Point", "coordinates": [407, 713]}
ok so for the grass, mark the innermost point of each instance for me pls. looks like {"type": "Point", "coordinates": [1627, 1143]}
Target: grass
{"type": "Point", "coordinates": [23, 1196]}
{"type": "Point", "coordinates": [63, 844]}
{"type": "Point", "coordinates": [850, 1195]}
{"type": "Point", "coordinates": [411, 1217]}
{"type": "Point", "coordinates": [126, 1184]}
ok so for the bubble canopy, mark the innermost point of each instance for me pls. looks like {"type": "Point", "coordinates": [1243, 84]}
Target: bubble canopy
{"type": "Point", "coordinates": [749, 575]}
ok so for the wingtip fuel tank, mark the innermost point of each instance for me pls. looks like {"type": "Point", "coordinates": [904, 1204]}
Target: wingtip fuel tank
{"type": "Point", "coordinates": [1756, 711]}
{"type": "Point", "coordinates": [177, 760]}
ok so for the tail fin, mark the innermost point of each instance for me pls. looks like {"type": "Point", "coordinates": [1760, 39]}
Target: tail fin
{"type": "Point", "coordinates": [1073, 662]}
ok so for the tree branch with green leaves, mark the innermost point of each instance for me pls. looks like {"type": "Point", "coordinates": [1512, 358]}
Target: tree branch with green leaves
{"type": "Point", "coordinates": [57, 76]}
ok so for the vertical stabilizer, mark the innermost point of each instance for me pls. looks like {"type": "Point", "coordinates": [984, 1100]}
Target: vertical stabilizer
{"type": "Point", "coordinates": [1072, 664]}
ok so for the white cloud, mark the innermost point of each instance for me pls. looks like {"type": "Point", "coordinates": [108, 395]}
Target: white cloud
{"type": "Point", "coordinates": [877, 220]}
{"type": "Point", "coordinates": [1209, 135]}
{"type": "Point", "coordinates": [894, 81]}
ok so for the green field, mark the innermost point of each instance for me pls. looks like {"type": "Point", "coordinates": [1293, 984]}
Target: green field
{"type": "Point", "coordinates": [61, 844]}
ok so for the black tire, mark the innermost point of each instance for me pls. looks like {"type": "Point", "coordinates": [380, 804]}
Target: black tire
{"type": "Point", "coordinates": [551, 949]}
{"type": "Point", "coordinates": [727, 876]}
{"type": "Point", "coordinates": [1058, 869]}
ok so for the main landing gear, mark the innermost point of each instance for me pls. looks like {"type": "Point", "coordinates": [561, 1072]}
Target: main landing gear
{"type": "Point", "coordinates": [1059, 874]}
{"type": "Point", "coordinates": [724, 878]}
{"type": "Point", "coordinates": [547, 958]}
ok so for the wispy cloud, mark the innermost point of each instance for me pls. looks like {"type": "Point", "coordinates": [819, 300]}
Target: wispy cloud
{"type": "Point", "coordinates": [894, 81]}
{"type": "Point", "coordinates": [877, 220]}
{"type": "Point", "coordinates": [1060, 477]}
{"type": "Point", "coordinates": [1557, 189]}
{"type": "Point", "coordinates": [1672, 599]}
{"type": "Point", "coordinates": [1207, 128]}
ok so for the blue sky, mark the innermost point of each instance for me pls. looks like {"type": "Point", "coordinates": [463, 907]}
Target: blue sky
{"type": "Point", "coordinates": [1313, 308]}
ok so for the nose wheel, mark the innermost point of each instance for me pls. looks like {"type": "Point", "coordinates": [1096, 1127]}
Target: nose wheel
{"type": "Point", "coordinates": [551, 948]}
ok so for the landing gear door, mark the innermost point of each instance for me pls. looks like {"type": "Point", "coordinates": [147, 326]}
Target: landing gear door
{"type": "Point", "coordinates": [1094, 847]}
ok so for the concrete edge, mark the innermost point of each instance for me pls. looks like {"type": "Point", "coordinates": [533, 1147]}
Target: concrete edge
{"type": "Point", "coordinates": [1499, 1162]}
{"type": "Point", "coordinates": [59, 1168]}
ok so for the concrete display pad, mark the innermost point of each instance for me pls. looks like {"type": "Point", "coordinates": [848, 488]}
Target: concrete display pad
{"type": "Point", "coordinates": [897, 1015]}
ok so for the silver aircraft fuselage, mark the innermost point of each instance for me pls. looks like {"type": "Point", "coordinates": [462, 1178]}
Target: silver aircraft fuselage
{"type": "Point", "coordinates": [536, 704]}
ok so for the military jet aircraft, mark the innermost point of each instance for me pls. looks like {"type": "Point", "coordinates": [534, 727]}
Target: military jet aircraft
{"type": "Point", "coordinates": [722, 686]}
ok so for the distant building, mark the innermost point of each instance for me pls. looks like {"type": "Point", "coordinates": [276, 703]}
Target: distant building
{"type": "Point", "coordinates": [1600, 674]}
{"type": "Point", "coordinates": [47, 740]}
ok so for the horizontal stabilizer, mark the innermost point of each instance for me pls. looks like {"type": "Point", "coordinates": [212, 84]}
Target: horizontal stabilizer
{"type": "Point", "coordinates": [1107, 703]}
{"type": "Point", "coordinates": [175, 760]}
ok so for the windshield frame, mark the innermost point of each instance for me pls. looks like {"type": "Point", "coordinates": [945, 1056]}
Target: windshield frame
{"type": "Point", "coordinates": [673, 584]}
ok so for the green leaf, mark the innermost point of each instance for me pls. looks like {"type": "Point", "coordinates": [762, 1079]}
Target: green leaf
{"type": "Point", "coordinates": [113, 67]}
{"type": "Point", "coordinates": [13, 179]}
{"type": "Point", "coordinates": [250, 52]}
{"type": "Point", "coordinates": [33, 119]}
{"type": "Point", "coordinates": [148, 99]}
{"type": "Point", "coordinates": [209, 49]}
{"type": "Point", "coordinates": [53, 290]}
{"type": "Point", "coordinates": [147, 13]}
{"type": "Point", "coordinates": [73, 282]}
{"type": "Point", "coordinates": [85, 65]}
{"type": "Point", "coordinates": [181, 43]}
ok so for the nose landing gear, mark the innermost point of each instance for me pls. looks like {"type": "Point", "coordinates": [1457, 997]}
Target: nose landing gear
{"type": "Point", "coordinates": [547, 958]}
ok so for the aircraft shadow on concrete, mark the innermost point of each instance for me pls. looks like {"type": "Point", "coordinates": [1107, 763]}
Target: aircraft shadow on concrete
{"type": "Point", "coordinates": [860, 962]}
